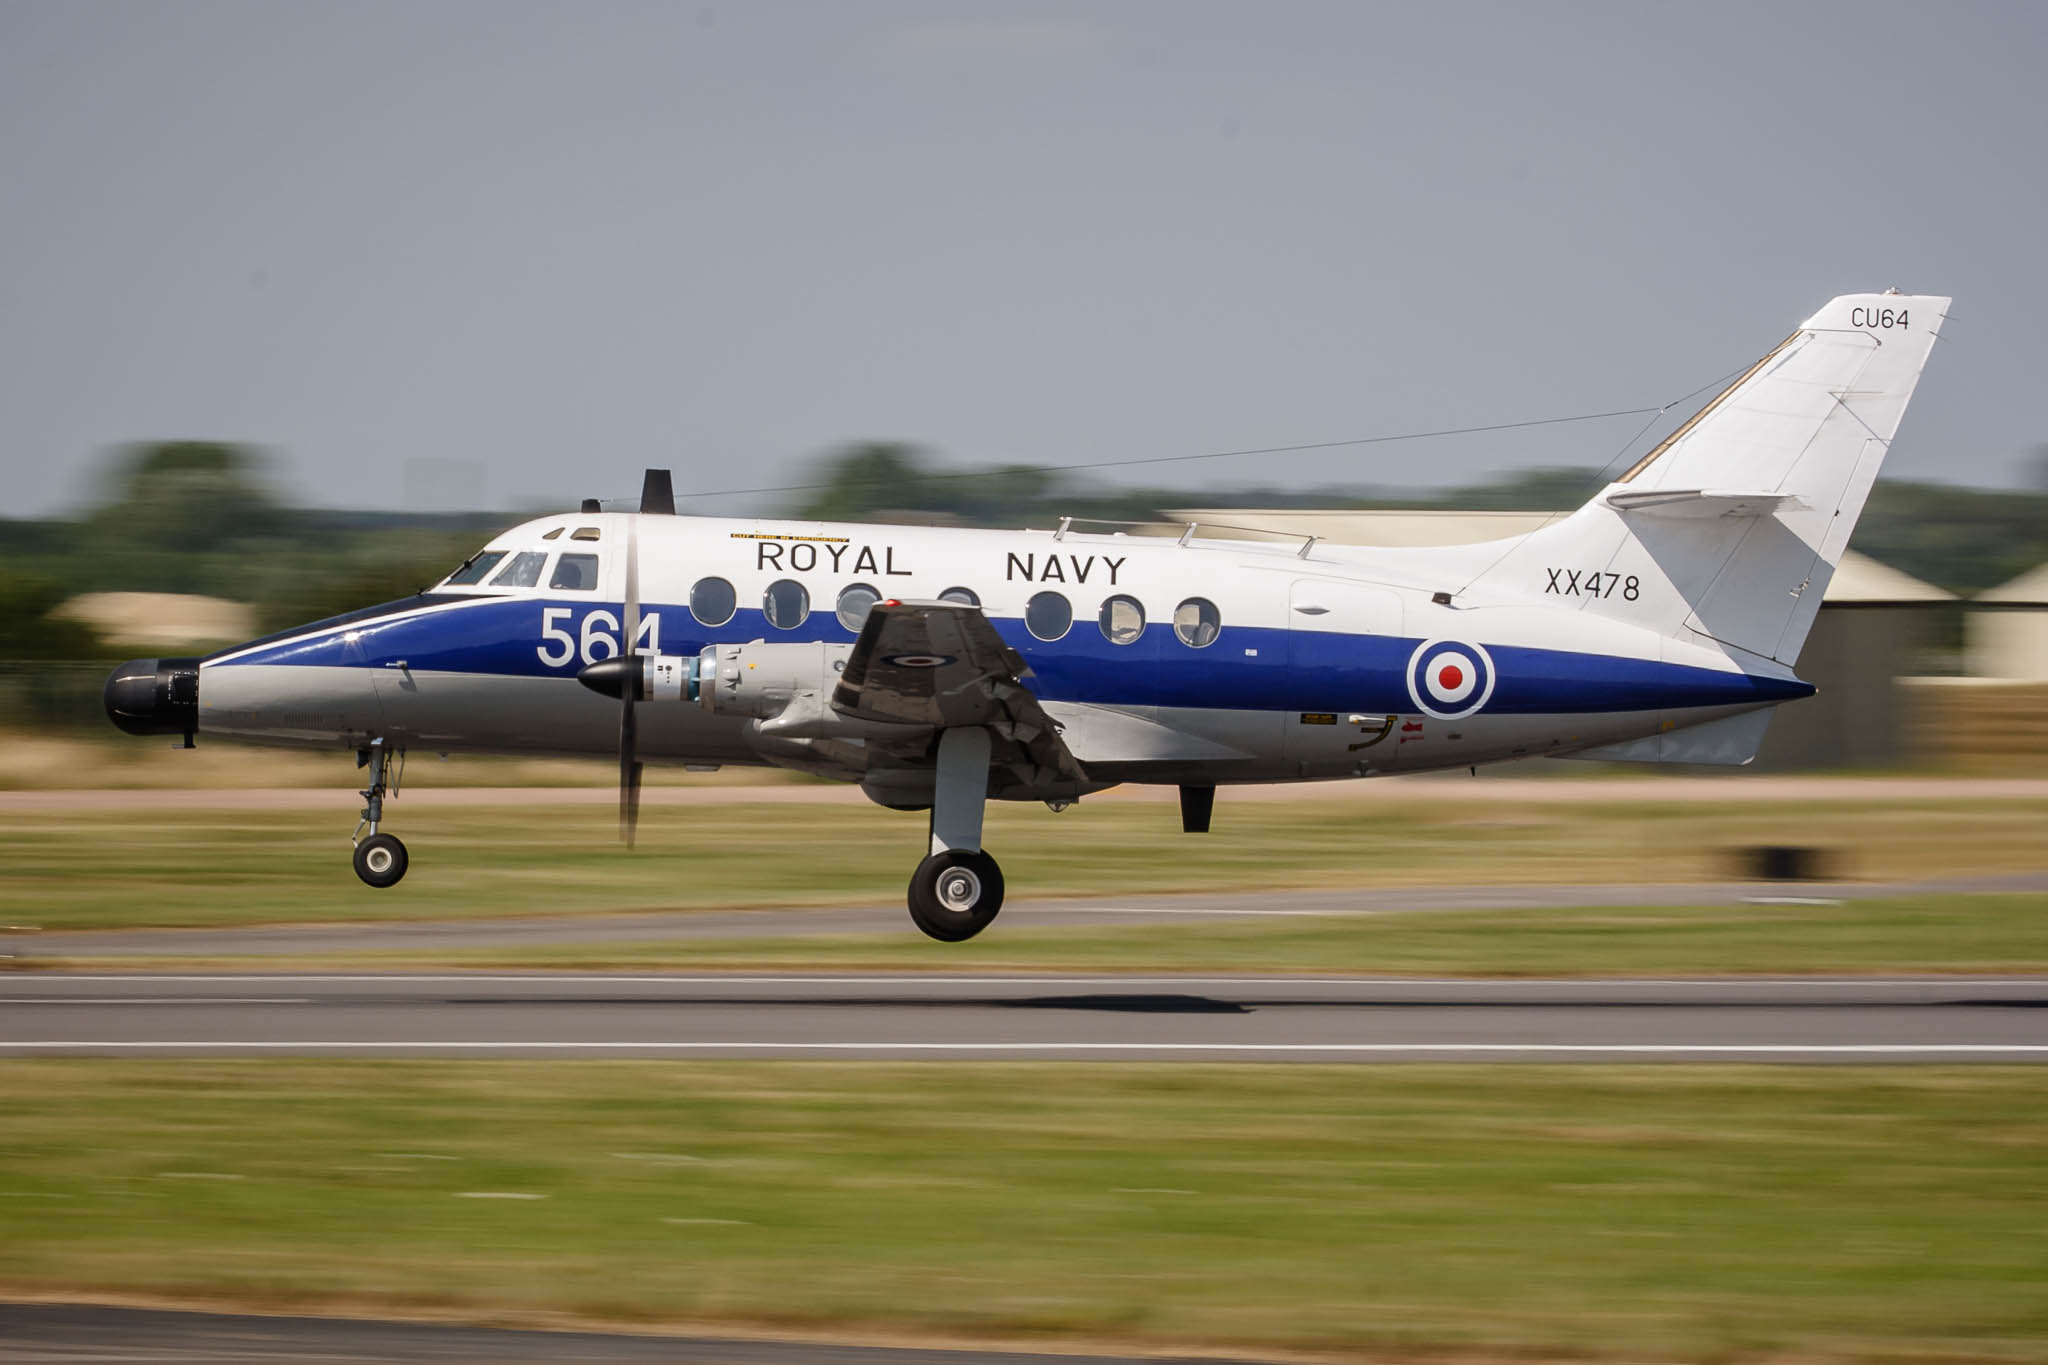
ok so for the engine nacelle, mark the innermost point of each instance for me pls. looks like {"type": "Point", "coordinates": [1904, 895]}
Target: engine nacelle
{"type": "Point", "coordinates": [648, 677]}
{"type": "Point", "coordinates": [758, 679]}
{"type": "Point", "coordinates": [762, 679]}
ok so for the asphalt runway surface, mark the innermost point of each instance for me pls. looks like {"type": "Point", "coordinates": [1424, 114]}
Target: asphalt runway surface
{"type": "Point", "coordinates": [28, 945]}
{"type": "Point", "coordinates": [69, 1334]}
{"type": "Point", "coordinates": [873, 1016]}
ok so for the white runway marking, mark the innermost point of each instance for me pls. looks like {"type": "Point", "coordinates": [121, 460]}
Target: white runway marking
{"type": "Point", "coordinates": [1190, 912]}
{"type": "Point", "coordinates": [1505, 1049]}
{"type": "Point", "coordinates": [919, 978]}
{"type": "Point", "coordinates": [152, 1000]}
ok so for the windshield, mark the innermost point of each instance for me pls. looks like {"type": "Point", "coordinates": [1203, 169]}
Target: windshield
{"type": "Point", "coordinates": [475, 567]}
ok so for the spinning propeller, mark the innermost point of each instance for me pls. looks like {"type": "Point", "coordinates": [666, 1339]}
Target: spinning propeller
{"type": "Point", "coordinates": [623, 676]}
{"type": "Point", "coordinates": [630, 766]}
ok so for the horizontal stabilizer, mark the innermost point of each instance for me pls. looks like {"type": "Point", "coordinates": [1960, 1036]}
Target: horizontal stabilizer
{"type": "Point", "coordinates": [1700, 502]}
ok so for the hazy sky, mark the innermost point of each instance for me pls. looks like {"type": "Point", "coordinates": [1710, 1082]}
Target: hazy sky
{"type": "Point", "coordinates": [562, 241]}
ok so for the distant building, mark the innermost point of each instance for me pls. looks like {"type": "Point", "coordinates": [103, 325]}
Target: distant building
{"type": "Point", "coordinates": [161, 620]}
{"type": "Point", "coordinates": [2005, 633]}
{"type": "Point", "coordinates": [1871, 627]}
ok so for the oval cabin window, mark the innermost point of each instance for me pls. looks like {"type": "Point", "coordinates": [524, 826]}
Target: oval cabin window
{"type": "Point", "coordinates": [1197, 622]}
{"type": "Point", "coordinates": [856, 600]}
{"type": "Point", "coordinates": [787, 604]}
{"type": "Point", "coordinates": [713, 601]}
{"type": "Point", "coordinates": [1122, 620]}
{"type": "Point", "coordinates": [1048, 615]}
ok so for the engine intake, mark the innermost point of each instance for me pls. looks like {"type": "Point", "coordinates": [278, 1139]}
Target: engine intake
{"type": "Point", "coordinates": [154, 697]}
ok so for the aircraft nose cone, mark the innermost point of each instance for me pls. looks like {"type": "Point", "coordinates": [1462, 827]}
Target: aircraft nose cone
{"type": "Point", "coordinates": [154, 696]}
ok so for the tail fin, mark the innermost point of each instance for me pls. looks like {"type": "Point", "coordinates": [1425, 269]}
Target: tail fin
{"type": "Point", "coordinates": [1731, 528]}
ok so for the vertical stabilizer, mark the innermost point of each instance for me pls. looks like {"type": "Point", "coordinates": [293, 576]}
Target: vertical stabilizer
{"type": "Point", "coordinates": [1731, 528]}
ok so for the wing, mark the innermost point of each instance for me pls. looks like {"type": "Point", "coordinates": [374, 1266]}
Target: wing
{"type": "Point", "coordinates": [942, 664]}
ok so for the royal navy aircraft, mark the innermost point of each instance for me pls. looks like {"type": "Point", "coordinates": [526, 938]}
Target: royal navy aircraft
{"type": "Point", "coordinates": [941, 668]}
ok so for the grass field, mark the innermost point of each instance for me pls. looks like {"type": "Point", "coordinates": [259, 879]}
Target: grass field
{"type": "Point", "coordinates": [1948, 933]}
{"type": "Point", "coordinates": [183, 865]}
{"type": "Point", "coordinates": [1711, 1214]}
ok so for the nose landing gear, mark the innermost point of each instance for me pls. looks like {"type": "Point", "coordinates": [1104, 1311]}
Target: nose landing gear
{"type": "Point", "coordinates": [380, 859]}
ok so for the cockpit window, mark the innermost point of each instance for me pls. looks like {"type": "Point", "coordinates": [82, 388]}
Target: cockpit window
{"type": "Point", "coordinates": [586, 533]}
{"type": "Point", "coordinates": [555, 534]}
{"type": "Point", "coordinates": [474, 568]}
{"type": "Point", "coordinates": [523, 571]}
{"type": "Point", "coordinates": [575, 573]}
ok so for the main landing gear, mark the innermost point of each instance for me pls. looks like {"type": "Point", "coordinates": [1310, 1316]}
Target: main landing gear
{"type": "Point", "coordinates": [958, 888]}
{"type": "Point", "coordinates": [380, 858]}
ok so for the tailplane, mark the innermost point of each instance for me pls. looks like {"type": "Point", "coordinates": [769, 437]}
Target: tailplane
{"type": "Point", "coordinates": [1729, 530]}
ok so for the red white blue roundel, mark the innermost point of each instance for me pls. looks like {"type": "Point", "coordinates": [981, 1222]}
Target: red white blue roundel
{"type": "Point", "coordinates": [1449, 679]}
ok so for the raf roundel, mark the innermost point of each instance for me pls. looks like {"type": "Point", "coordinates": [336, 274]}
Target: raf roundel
{"type": "Point", "coordinates": [1449, 679]}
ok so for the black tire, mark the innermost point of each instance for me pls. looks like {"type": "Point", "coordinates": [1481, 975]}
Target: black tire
{"type": "Point", "coordinates": [954, 895]}
{"type": "Point", "coordinates": [380, 860]}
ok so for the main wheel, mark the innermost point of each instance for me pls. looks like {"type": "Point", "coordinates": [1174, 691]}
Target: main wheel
{"type": "Point", "coordinates": [380, 860]}
{"type": "Point", "coordinates": [954, 895]}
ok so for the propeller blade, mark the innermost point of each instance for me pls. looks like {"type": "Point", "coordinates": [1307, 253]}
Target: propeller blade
{"type": "Point", "coordinates": [629, 774]}
{"type": "Point", "coordinates": [629, 729]}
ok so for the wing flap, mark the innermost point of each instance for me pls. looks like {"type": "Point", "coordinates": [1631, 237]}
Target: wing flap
{"type": "Point", "coordinates": [943, 665]}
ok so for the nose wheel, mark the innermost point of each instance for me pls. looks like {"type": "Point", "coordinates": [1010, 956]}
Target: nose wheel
{"type": "Point", "coordinates": [380, 859]}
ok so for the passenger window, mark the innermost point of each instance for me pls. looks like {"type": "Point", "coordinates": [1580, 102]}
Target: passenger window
{"type": "Point", "coordinates": [1197, 622]}
{"type": "Point", "coordinates": [575, 573]}
{"type": "Point", "coordinates": [1048, 615]}
{"type": "Point", "coordinates": [585, 533]}
{"type": "Point", "coordinates": [475, 567]}
{"type": "Point", "coordinates": [523, 571]}
{"type": "Point", "coordinates": [1122, 620]}
{"type": "Point", "coordinates": [856, 600]}
{"type": "Point", "coordinates": [964, 596]}
{"type": "Point", "coordinates": [787, 604]}
{"type": "Point", "coordinates": [713, 601]}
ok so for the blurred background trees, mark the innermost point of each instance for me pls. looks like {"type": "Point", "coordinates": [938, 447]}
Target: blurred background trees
{"type": "Point", "coordinates": [207, 518]}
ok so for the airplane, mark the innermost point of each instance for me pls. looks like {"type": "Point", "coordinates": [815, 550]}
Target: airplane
{"type": "Point", "coordinates": [943, 667]}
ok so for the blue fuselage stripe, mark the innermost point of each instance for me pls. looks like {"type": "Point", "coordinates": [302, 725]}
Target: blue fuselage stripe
{"type": "Point", "coordinates": [1245, 668]}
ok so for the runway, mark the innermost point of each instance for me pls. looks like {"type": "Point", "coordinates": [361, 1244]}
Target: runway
{"type": "Point", "coordinates": [56, 1333]}
{"type": "Point", "coordinates": [1105, 1018]}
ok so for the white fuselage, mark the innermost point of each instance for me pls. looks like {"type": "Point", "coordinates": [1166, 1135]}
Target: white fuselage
{"type": "Point", "coordinates": [1190, 662]}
